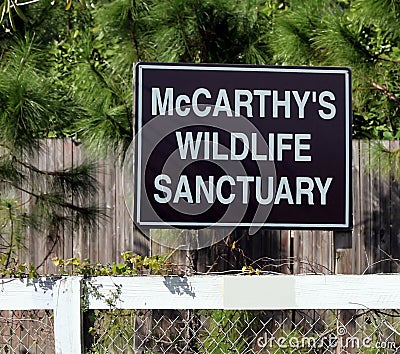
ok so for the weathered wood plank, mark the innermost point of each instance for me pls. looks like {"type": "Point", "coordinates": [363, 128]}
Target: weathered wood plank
{"type": "Point", "coordinates": [28, 253]}
{"type": "Point", "coordinates": [94, 234]}
{"type": "Point", "coordinates": [365, 205]}
{"type": "Point", "coordinates": [376, 190]}
{"type": "Point", "coordinates": [284, 252]}
{"type": "Point", "coordinates": [40, 238]}
{"type": "Point", "coordinates": [394, 215]}
{"type": "Point", "coordinates": [59, 145]}
{"type": "Point", "coordinates": [327, 265]}
{"type": "Point", "coordinates": [358, 257]}
{"type": "Point", "coordinates": [297, 252]}
{"type": "Point", "coordinates": [110, 232]}
{"type": "Point", "coordinates": [384, 216]}
{"type": "Point", "coordinates": [68, 237]}
{"type": "Point", "coordinates": [120, 223]}
{"type": "Point", "coordinates": [80, 243]}
{"type": "Point", "coordinates": [52, 238]}
{"type": "Point", "coordinates": [103, 237]}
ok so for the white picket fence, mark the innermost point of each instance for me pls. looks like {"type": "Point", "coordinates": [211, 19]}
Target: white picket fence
{"type": "Point", "coordinates": [67, 296]}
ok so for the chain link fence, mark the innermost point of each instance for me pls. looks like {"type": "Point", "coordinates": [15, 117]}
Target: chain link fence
{"type": "Point", "coordinates": [226, 332]}
{"type": "Point", "coordinates": [210, 331]}
{"type": "Point", "coordinates": [26, 332]}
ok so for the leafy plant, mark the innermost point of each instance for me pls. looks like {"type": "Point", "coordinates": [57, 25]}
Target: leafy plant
{"type": "Point", "coordinates": [133, 264]}
{"type": "Point", "coordinates": [10, 267]}
{"type": "Point", "coordinates": [228, 332]}
{"type": "Point", "coordinates": [120, 333]}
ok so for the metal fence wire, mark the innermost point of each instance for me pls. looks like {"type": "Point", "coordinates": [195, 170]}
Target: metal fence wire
{"type": "Point", "coordinates": [233, 331]}
{"type": "Point", "coordinates": [26, 332]}
{"type": "Point", "coordinates": [210, 331]}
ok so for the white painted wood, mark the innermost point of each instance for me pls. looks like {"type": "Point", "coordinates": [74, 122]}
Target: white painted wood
{"type": "Point", "coordinates": [26, 294]}
{"type": "Point", "coordinates": [68, 315]}
{"type": "Point", "coordinates": [375, 291]}
{"type": "Point", "coordinates": [248, 292]}
{"type": "Point", "coordinates": [200, 292]}
{"type": "Point", "coordinates": [155, 292]}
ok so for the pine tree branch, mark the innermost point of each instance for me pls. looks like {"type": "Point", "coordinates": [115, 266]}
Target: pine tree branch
{"type": "Point", "coordinates": [394, 61]}
{"type": "Point", "coordinates": [392, 97]}
{"type": "Point", "coordinates": [134, 39]}
{"type": "Point", "coordinates": [13, 184]}
{"type": "Point", "coordinates": [35, 169]}
{"type": "Point", "coordinates": [385, 91]}
{"type": "Point", "coordinates": [118, 125]}
{"type": "Point", "coordinates": [74, 181]}
{"type": "Point", "coordinates": [11, 244]}
{"type": "Point", "coordinates": [61, 203]}
{"type": "Point", "coordinates": [46, 257]}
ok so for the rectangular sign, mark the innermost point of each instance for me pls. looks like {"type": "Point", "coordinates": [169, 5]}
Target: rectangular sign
{"type": "Point", "coordinates": [240, 145]}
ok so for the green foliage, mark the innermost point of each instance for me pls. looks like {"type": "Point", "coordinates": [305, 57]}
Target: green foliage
{"type": "Point", "coordinates": [133, 264]}
{"type": "Point", "coordinates": [385, 159]}
{"type": "Point", "coordinates": [95, 57]}
{"type": "Point", "coordinates": [92, 47]}
{"type": "Point", "coordinates": [84, 64]}
{"type": "Point", "coordinates": [11, 221]}
{"type": "Point", "coordinates": [120, 325]}
{"type": "Point", "coordinates": [250, 270]}
{"type": "Point", "coordinates": [32, 107]}
{"type": "Point", "coordinates": [10, 267]}
{"type": "Point", "coordinates": [210, 31]}
{"type": "Point", "coordinates": [41, 200]}
{"type": "Point", "coordinates": [228, 332]}
{"type": "Point", "coordinates": [361, 34]}
{"type": "Point", "coordinates": [12, 12]}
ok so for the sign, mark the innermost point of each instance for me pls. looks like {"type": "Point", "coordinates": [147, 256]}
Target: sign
{"type": "Point", "coordinates": [236, 145]}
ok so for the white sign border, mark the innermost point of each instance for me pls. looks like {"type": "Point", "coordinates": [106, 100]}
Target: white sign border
{"type": "Point", "coordinates": [211, 67]}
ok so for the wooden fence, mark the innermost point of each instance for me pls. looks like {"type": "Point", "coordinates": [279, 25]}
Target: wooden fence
{"type": "Point", "coordinates": [375, 244]}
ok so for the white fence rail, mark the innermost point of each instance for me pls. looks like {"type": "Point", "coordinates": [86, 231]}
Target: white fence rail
{"type": "Point", "coordinates": [68, 296]}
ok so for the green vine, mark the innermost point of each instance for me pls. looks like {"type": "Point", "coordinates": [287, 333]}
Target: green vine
{"type": "Point", "coordinates": [10, 267]}
{"type": "Point", "coordinates": [133, 264]}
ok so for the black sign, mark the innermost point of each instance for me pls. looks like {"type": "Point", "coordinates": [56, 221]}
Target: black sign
{"type": "Point", "coordinates": [235, 145]}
